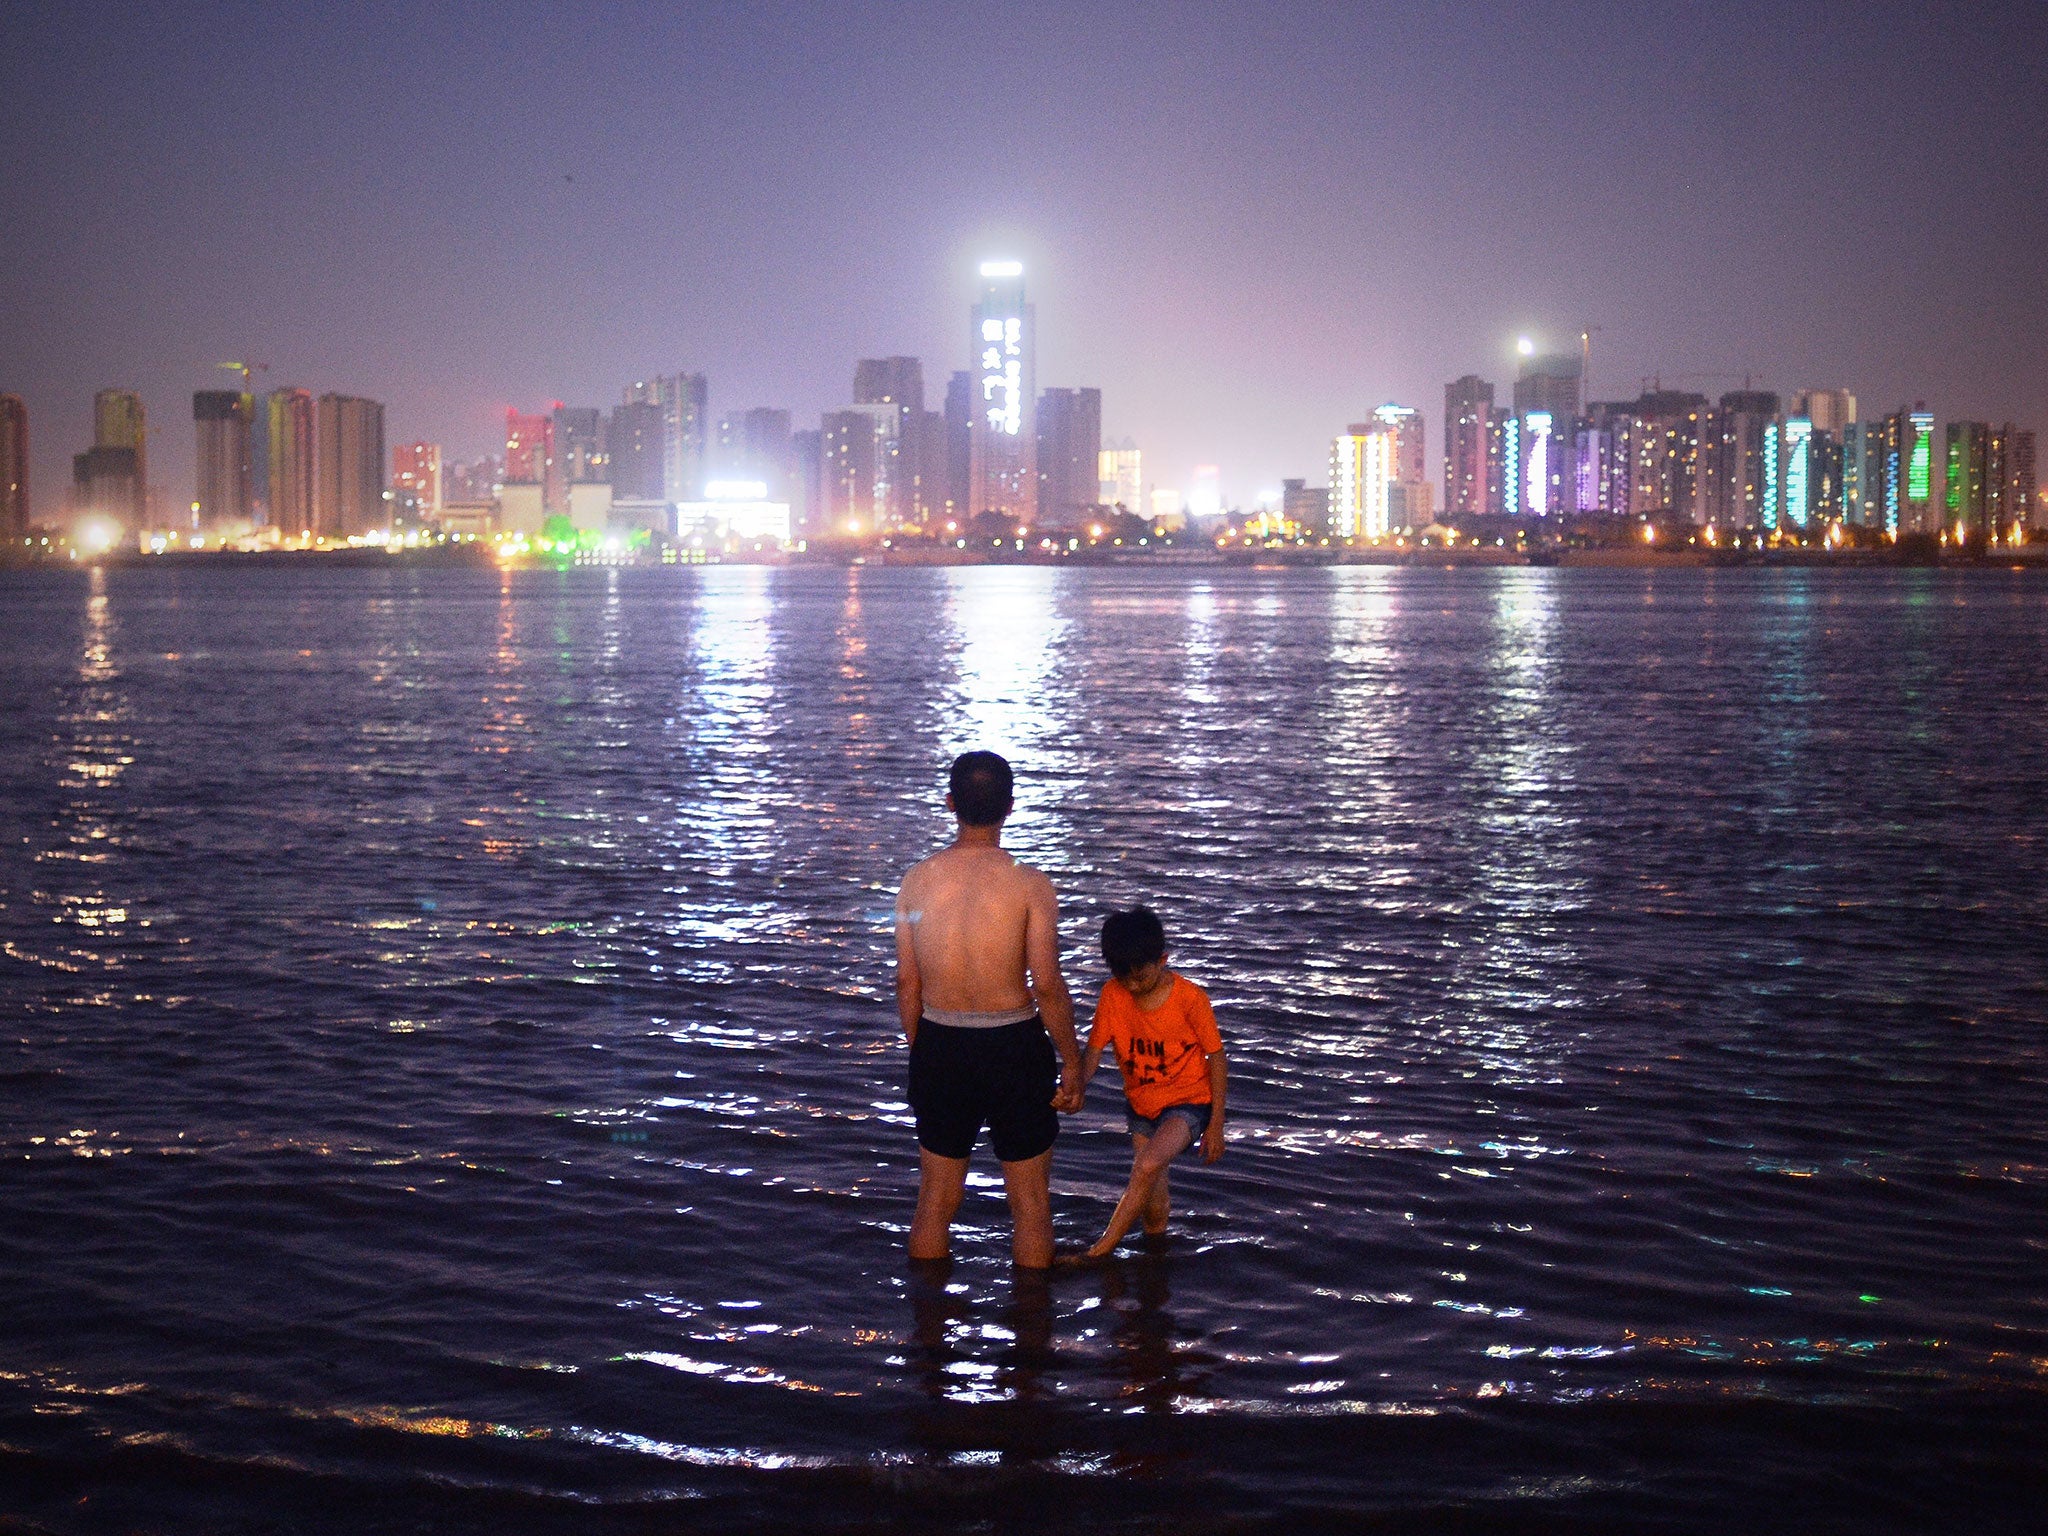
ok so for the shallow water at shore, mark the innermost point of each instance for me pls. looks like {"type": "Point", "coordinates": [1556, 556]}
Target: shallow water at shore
{"type": "Point", "coordinates": [451, 1074]}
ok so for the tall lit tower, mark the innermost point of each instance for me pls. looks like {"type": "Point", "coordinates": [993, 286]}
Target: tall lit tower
{"type": "Point", "coordinates": [1468, 413]}
{"type": "Point", "coordinates": [294, 465]}
{"type": "Point", "coordinates": [119, 421]}
{"type": "Point", "coordinates": [1003, 446]}
{"type": "Point", "coordinates": [13, 467]}
{"type": "Point", "coordinates": [223, 489]}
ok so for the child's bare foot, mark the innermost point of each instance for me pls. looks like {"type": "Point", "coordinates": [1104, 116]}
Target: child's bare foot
{"type": "Point", "coordinates": [1071, 1258]}
{"type": "Point", "coordinates": [1101, 1250]}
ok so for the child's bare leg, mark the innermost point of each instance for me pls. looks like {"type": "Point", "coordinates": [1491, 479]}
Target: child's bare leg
{"type": "Point", "coordinates": [1152, 1157]}
{"type": "Point", "coordinates": [1156, 1206]}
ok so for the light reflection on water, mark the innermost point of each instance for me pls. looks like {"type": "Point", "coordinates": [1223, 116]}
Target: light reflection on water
{"type": "Point", "coordinates": [1621, 1002]}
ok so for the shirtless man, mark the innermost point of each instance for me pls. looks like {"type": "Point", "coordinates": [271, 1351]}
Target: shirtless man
{"type": "Point", "coordinates": [978, 987]}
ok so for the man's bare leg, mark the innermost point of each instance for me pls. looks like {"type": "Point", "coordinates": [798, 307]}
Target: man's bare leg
{"type": "Point", "coordinates": [941, 1182]}
{"type": "Point", "coordinates": [1154, 1154]}
{"type": "Point", "coordinates": [1028, 1184]}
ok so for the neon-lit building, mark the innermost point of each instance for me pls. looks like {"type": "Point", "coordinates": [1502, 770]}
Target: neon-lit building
{"type": "Point", "coordinates": [529, 451]}
{"type": "Point", "coordinates": [1797, 473]}
{"type": "Point", "coordinates": [1003, 443]}
{"type": "Point", "coordinates": [1377, 484]}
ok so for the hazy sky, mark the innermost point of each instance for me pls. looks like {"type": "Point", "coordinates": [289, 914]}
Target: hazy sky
{"type": "Point", "coordinates": [1246, 224]}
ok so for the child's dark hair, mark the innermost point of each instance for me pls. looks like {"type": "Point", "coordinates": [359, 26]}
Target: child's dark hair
{"type": "Point", "coordinates": [1131, 939]}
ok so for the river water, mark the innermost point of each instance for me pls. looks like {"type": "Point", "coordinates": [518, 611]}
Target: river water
{"type": "Point", "coordinates": [450, 1077]}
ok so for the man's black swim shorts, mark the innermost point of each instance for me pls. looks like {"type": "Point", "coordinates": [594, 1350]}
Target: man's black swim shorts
{"type": "Point", "coordinates": [1004, 1078]}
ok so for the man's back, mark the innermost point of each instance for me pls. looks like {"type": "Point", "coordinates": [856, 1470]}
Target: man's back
{"type": "Point", "coordinates": [969, 912]}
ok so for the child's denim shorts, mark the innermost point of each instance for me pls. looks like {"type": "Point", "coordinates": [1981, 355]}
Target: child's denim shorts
{"type": "Point", "coordinates": [1196, 1115]}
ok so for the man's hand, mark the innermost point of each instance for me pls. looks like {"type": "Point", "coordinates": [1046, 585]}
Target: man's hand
{"type": "Point", "coordinates": [1067, 1099]}
{"type": "Point", "coordinates": [1212, 1140]}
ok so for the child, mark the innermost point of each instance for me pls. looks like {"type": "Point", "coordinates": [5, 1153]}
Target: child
{"type": "Point", "coordinates": [1165, 1039]}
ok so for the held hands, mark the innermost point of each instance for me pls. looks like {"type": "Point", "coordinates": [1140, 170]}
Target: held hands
{"type": "Point", "coordinates": [1067, 1100]}
{"type": "Point", "coordinates": [1212, 1140]}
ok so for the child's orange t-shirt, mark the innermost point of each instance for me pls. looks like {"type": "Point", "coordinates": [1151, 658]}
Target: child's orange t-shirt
{"type": "Point", "coordinates": [1164, 1053]}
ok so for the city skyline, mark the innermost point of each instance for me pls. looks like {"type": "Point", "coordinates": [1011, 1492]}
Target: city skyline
{"type": "Point", "coordinates": [1266, 247]}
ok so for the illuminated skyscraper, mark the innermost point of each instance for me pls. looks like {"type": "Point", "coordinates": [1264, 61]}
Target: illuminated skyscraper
{"type": "Point", "coordinates": [1120, 478]}
{"type": "Point", "coordinates": [2022, 492]}
{"type": "Point", "coordinates": [1974, 480]}
{"type": "Point", "coordinates": [1069, 453]}
{"type": "Point", "coordinates": [416, 480]}
{"type": "Point", "coordinates": [14, 507]}
{"type": "Point", "coordinates": [890, 390]}
{"type": "Point", "coordinates": [1898, 472]}
{"type": "Point", "coordinates": [1373, 467]}
{"type": "Point", "coordinates": [852, 499]}
{"type": "Point", "coordinates": [348, 498]}
{"type": "Point", "coordinates": [224, 474]}
{"type": "Point", "coordinates": [755, 444]}
{"type": "Point", "coordinates": [1739, 468]}
{"type": "Point", "coordinates": [119, 421]}
{"type": "Point", "coordinates": [294, 460]}
{"type": "Point", "coordinates": [1003, 472]}
{"type": "Point", "coordinates": [685, 403]}
{"type": "Point", "coordinates": [1468, 414]}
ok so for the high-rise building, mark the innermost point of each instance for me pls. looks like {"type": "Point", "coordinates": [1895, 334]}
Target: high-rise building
{"type": "Point", "coordinates": [529, 450]}
{"type": "Point", "coordinates": [119, 421]}
{"type": "Point", "coordinates": [1830, 410]}
{"type": "Point", "coordinates": [850, 461]}
{"type": "Point", "coordinates": [637, 445]}
{"type": "Point", "coordinates": [1898, 472]}
{"type": "Point", "coordinates": [1468, 417]}
{"type": "Point", "coordinates": [294, 468]}
{"type": "Point", "coordinates": [1305, 507]}
{"type": "Point", "coordinates": [1739, 468]}
{"type": "Point", "coordinates": [1069, 453]}
{"type": "Point", "coordinates": [223, 489]}
{"type": "Point", "coordinates": [755, 444]}
{"type": "Point", "coordinates": [1120, 478]}
{"type": "Point", "coordinates": [106, 482]}
{"type": "Point", "coordinates": [2022, 492]}
{"type": "Point", "coordinates": [1003, 339]}
{"type": "Point", "coordinates": [1377, 475]}
{"type": "Point", "coordinates": [579, 446]}
{"type": "Point", "coordinates": [348, 498]}
{"type": "Point", "coordinates": [807, 501]}
{"type": "Point", "coordinates": [1973, 491]}
{"type": "Point", "coordinates": [685, 403]}
{"type": "Point", "coordinates": [1549, 383]}
{"type": "Point", "coordinates": [14, 506]}
{"type": "Point", "coordinates": [897, 384]}
{"type": "Point", "coordinates": [959, 441]}
{"type": "Point", "coordinates": [416, 480]}
{"type": "Point", "coordinates": [1409, 503]}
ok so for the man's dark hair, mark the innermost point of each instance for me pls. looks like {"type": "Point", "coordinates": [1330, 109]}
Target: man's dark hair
{"type": "Point", "coordinates": [983, 789]}
{"type": "Point", "coordinates": [1131, 939]}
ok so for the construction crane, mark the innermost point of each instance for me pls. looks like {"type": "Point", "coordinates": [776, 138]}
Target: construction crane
{"type": "Point", "coordinates": [248, 371]}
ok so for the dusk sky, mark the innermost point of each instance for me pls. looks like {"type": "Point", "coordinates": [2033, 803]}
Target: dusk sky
{"type": "Point", "coordinates": [1246, 224]}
